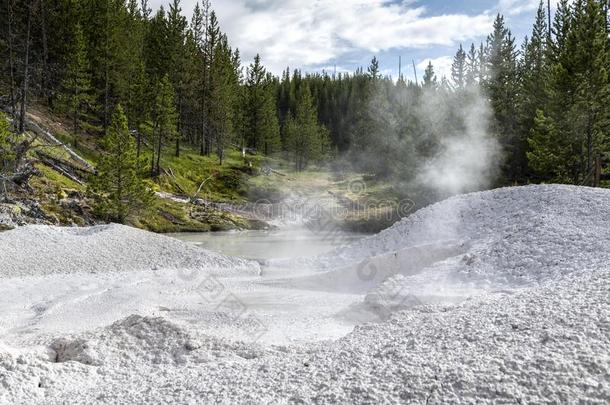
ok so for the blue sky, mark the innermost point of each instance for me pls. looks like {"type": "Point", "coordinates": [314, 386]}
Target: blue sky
{"type": "Point", "coordinates": [319, 34]}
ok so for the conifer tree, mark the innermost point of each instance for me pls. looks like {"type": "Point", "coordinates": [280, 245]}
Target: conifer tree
{"type": "Point", "coordinates": [7, 152]}
{"type": "Point", "coordinates": [548, 151]}
{"type": "Point", "coordinates": [533, 72]}
{"type": "Point", "coordinates": [430, 80]}
{"type": "Point", "coordinates": [261, 124]}
{"type": "Point", "coordinates": [7, 157]}
{"type": "Point", "coordinates": [223, 87]}
{"type": "Point", "coordinates": [118, 190]}
{"type": "Point", "coordinates": [373, 69]}
{"type": "Point", "coordinates": [482, 68]}
{"type": "Point", "coordinates": [77, 84]}
{"type": "Point", "coordinates": [501, 87]}
{"type": "Point", "coordinates": [591, 54]}
{"type": "Point", "coordinates": [307, 140]}
{"type": "Point", "coordinates": [472, 67]}
{"type": "Point", "coordinates": [578, 95]}
{"type": "Point", "coordinates": [135, 96]}
{"type": "Point", "coordinates": [102, 25]}
{"type": "Point", "coordinates": [176, 36]}
{"type": "Point", "coordinates": [459, 69]}
{"type": "Point", "coordinates": [212, 36]}
{"type": "Point", "coordinates": [239, 93]}
{"type": "Point", "coordinates": [164, 114]}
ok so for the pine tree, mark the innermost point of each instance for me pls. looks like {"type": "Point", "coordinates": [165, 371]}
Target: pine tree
{"type": "Point", "coordinates": [533, 72]}
{"type": "Point", "coordinates": [136, 97]}
{"type": "Point", "coordinates": [578, 94]}
{"type": "Point", "coordinates": [430, 81]}
{"type": "Point", "coordinates": [7, 156]}
{"type": "Point", "coordinates": [561, 28]}
{"type": "Point", "coordinates": [25, 82]}
{"type": "Point", "coordinates": [212, 36]}
{"type": "Point", "coordinates": [7, 142]}
{"type": "Point", "coordinates": [548, 151]}
{"type": "Point", "coordinates": [306, 139]}
{"type": "Point", "coordinates": [7, 49]}
{"type": "Point", "coordinates": [482, 69]}
{"type": "Point", "coordinates": [118, 190]}
{"type": "Point", "coordinates": [261, 123]}
{"type": "Point", "coordinates": [223, 89]}
{"type": "Point", "coordinates": [164, 114]}
{"type": "Point", "coordinates": [239, 95]}
{"type": "Point", "coordinates": [373, 69]}
{"type": "Point", "coordinates": [501, 87]}
{"type": "Point", "coordinates": [145, 10]}
{"type": "Point", "coordinates": [102, 26]}
{"type": "Point", "coordinates": [459, 69]}
{"type": "Point", "coordinates": [176, 30]}
{"type": "Point", "coordinates": [590, 50]}
{"type": "Point", "coordinates": [269, 125]}
{"type": "Point", "coordinates": [549, 139]}
{"type": "Point", "coordinates": [77, 83]}
{"type": "Point", "coordinates": [156, 48]}
{"type": "Point", "coordinates": [472, 67]}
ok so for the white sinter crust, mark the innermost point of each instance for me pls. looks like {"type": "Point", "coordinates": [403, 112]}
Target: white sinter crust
{"type": "Point", "coordinates": [499, 296]}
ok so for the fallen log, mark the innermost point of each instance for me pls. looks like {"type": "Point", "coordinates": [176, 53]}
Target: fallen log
{"type": "Point", "coordinates": [194, 197]}
{"type": "Point", "coordinates": [19, 178]}
{"type": "Point", "coordinates": [65, 163]}
{"type": "Point", "coordinates": [278, 173]}
{"type": "Point", "coordinates": [38, 130]}
{"type": "Point", "coordinates": [58, 168]}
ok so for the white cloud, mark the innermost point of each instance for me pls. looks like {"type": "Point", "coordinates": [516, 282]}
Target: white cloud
{"type": "Point", "coordinates": [516, 7]}
{"type": "Point", "coordinates": [442, 66]}
{"type": "Point", "coordinates": [318, 32]}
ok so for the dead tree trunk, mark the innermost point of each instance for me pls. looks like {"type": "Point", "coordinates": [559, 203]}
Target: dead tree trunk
{"type": "Point", "coordinates": [179, 124]}
{"type": "Point", "coordinates": [548, 9]}
{"type": "Point", "coordinates": [598, 171]}
{"type": "Point", "coordinates": [159, 147]}
{"type": "Point", "coordinates": [20, 178]}
{"type": "Point", "coordinates": [206, 79]}
{"type": "Point", "coordinates": [138, 144]}
{"type": "Point", "coordinates": [154, 149]}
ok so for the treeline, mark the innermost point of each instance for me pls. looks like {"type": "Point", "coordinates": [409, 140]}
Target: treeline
{"type": "Point", "coordinates": [180, 82]}
{"type": "Point", "coordinates": [177, 81]}
{"type": "Point", "coordinates": [548, 97]}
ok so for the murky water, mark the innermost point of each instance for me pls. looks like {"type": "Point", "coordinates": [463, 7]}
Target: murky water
{"type": "Point", "coordinates": [271, 244]}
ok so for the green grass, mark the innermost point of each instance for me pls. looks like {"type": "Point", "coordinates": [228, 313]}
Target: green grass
{"type": "Point", "coordinates": [51, 181]}
{"type": "Point", "coordinates": [85, 148]}
{"type": "Point", "coordinates": [170, 216]}
{"type": "Point", "coordinates": [227, 182]}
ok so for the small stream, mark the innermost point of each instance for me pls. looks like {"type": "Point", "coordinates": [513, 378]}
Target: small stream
{"type": "Point", "coordinates": [297, 241]}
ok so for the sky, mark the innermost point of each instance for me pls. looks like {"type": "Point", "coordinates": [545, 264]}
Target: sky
{"type": "Point", "coordinates": [342, 35]}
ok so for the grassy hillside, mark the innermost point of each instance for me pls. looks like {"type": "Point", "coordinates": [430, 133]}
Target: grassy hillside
{"type": "Point", "coordinates": [62, 194]}
{"type": "Point", "coordinates": [63, 200]}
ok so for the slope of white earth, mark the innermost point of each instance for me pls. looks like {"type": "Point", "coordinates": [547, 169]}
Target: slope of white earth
{"type": "Point", "coordinates": [549, 344]}
{"type": "Point", "coordinates": [41, 250]}
{"type": "Point", "coordinates": [491, 240]}
{"type": "Point", "coordinates": [519, 279]}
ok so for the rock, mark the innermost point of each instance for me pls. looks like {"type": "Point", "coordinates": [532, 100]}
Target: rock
{"type": "Point", "coordinates": [22, 213]}
{"type": "Point", "coordinates": [78, 350]}
{"type": "Point", "coordinates": [5, 227]}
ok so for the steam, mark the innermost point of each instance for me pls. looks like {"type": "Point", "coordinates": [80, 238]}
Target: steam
{"type": "Point", "coordinates": [431, 143]}
{"type": "Point", "coordinates": [468, 157]}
